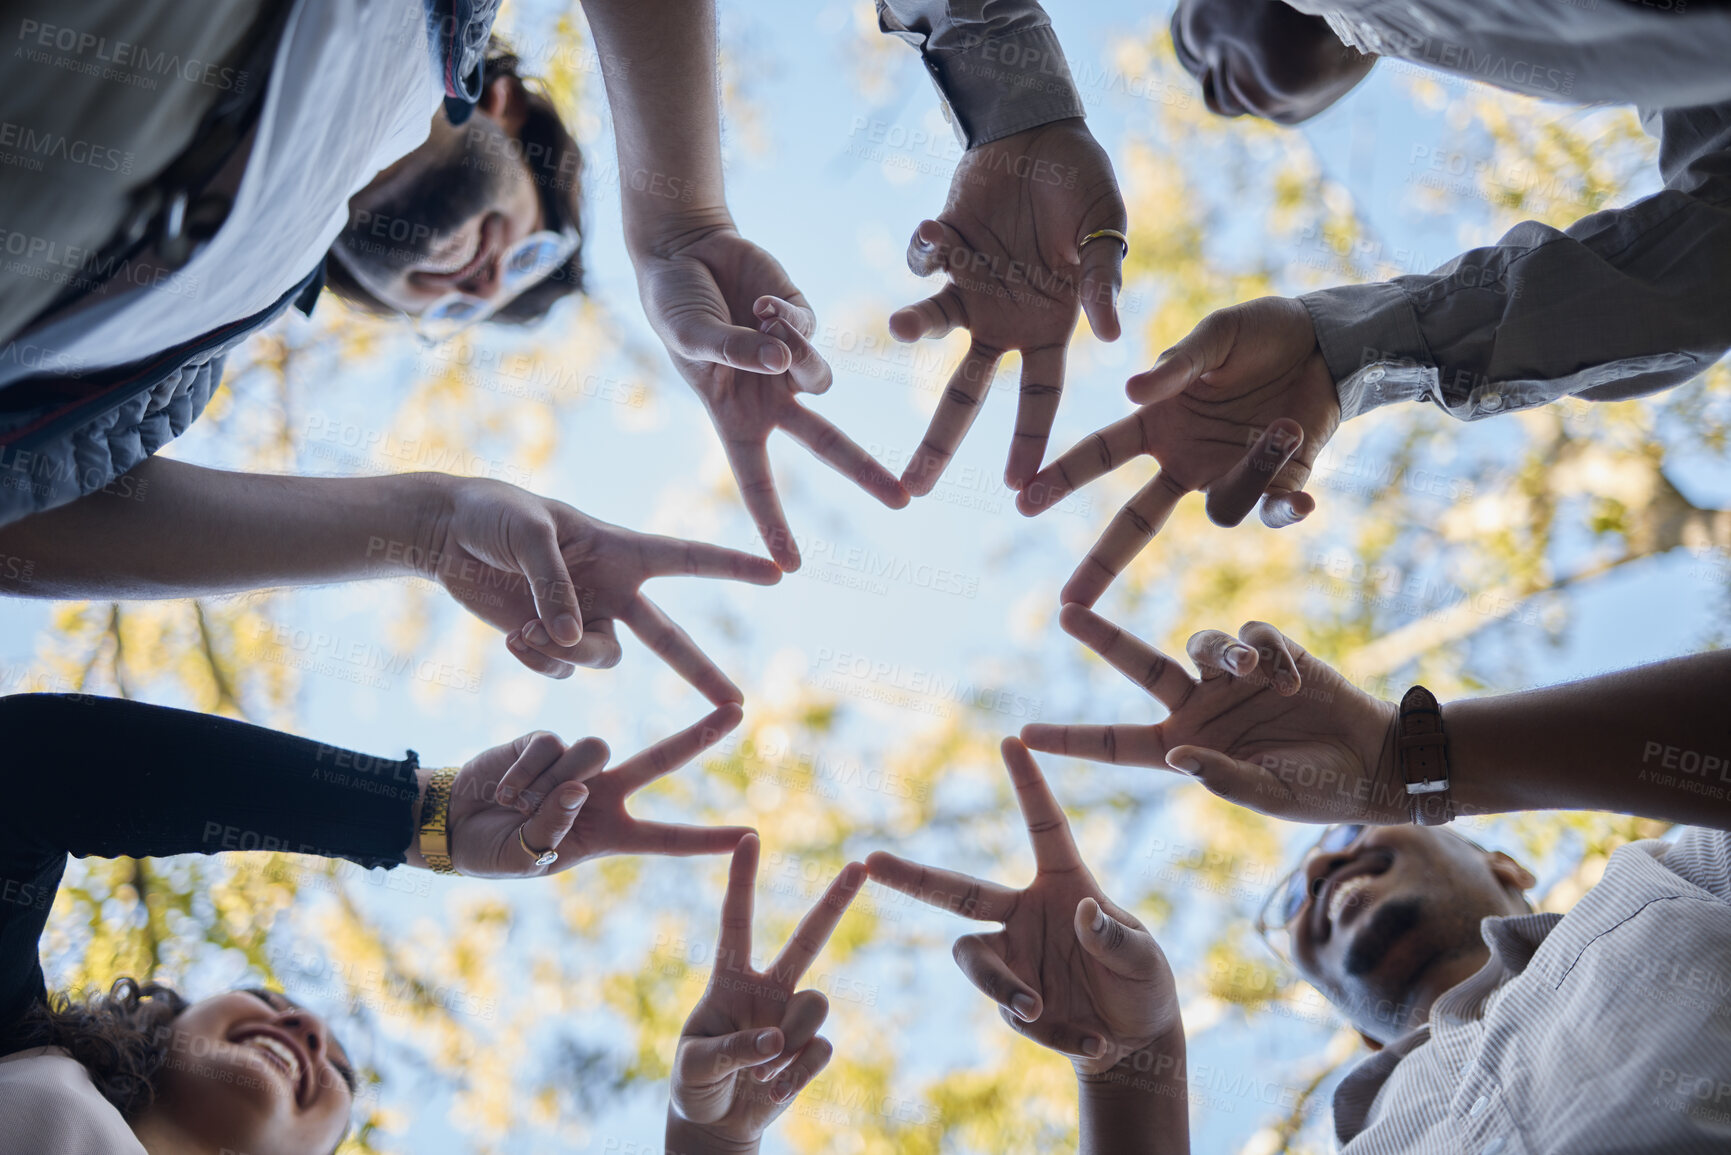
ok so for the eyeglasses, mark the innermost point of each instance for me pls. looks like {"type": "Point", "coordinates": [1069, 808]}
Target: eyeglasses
{"type": "Point", "coordinates": [1287, 898]}
{"type": "Point", "coordinates": [524, 265]}
{"type": "Point", "coordinates": [528, 262]}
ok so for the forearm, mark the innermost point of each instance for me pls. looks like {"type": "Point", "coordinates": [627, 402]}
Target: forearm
{"type": "Point", "coordinates": [658, 60]}
{"type": "Point", "coordinates": [1654, 741]}
{"type": "Point", "coordinates": [685, 1138]}
{"type": "Point", "coordinates": [1622, 303]}
{"type": "Point", "coordinates": [198, 531]}
{"type": "Point", "coordinates": [1139, 1107]}
{"type": "Point", "coordinates": [105, 776]}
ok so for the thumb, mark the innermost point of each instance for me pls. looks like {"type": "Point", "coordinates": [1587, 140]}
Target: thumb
{"type": "Point", "coordinates": [1203, 349]}
{"type": "Point", "coordinates": [1103, 270]}
{"type": "Point", "coordinates": [550, 825]}
{"type": "Point", "coordinates": [1223, 775]}
{"type": "Point", "coordinates": [699, 335]}
{"type": "Point", "coordinates": [1112, 944]}
{"type": "Point", "coordinates": [550, 585]}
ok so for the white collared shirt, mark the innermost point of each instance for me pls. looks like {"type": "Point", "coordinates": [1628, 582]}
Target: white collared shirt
{"type": "Point", "coordinates": [1605, 1029]}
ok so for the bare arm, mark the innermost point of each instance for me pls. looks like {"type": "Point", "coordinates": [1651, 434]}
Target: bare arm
{"type": "Point", "coordinates": [658, 62]}
{"type": "Point", "coordinates": [1270, 726]}
{"type": "Point", "coordinates": [188, 531]}
{"type": "Point", "coordinates": [1653, 741]}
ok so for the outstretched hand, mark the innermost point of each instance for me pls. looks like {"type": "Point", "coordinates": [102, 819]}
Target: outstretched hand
{"type": "Point", "coordinates": [556, 580]}
{"type": "Point", "coordinates": [1266, 725]}
{"type": "Point", "coordinates": [1239, 409]}
{"type": "Point", "coordinates": [751, 1043]}
{"type": "Point", "coordinates": [562, 799]}
{"type": "Point", "coordinates": [1010, 243]}
{"type": "Point", "coordinates": [1070, 969]}
{"type": "Point", "coordinates": [739, 333]}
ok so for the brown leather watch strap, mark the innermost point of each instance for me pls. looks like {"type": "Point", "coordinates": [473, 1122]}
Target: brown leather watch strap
{"type": "Point", "coordinates": [1422, 748]}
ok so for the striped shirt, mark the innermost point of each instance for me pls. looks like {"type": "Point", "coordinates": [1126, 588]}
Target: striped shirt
{"type": "Point", "coordinates": [1605, 1029]}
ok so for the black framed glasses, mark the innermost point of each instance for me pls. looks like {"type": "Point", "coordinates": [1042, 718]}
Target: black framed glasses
{"type": "Point", "coordinates": [1287, 897]}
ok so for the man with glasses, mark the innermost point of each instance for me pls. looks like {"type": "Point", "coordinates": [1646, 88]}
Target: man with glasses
{"type": "Point", "coordinates": [395, 147]}
{"type": "Point", "coordinates": [1497, 1029]}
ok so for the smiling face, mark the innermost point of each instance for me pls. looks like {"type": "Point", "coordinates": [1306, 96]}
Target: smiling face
{"type": "Point", "coordinates": [1264, 58]}
{"type": "Point", "coordinates": [442, 218]}
{"type": "Point", "coordinates": [250, 1071]}
{"type": "Point", "coordinates": [1391, 921]}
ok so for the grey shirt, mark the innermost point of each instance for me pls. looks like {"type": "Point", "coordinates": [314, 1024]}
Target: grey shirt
{"type": "Point", "coordinates": [1655, 53]}
{"type": "Point", "coordinates": [1622, 303]}
{"type": "Point", "coordinates": [996, 63]}
{"type": "Point", "coordinates": [1605, 1029]}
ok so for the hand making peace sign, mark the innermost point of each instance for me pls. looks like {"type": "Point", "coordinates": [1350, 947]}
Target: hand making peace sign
{"type": "Point", "coordinates": [1266, 725]}
{"type": "Point", "coordinates": [751, 1043]}
{"type": "Point", "coordinates": [1070, 969]}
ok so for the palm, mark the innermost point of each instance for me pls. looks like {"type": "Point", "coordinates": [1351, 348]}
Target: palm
{"type": "Point", "coordinates": [722, 304]}
{"type": "Point", "coordinates": [1039, 944]}
{"type": "Point", "coordinates": [1283, 733]}
{"type": "Point", "coordinates": [1010, 243]}
{"type": "Point", "coordinates": [1201, 434]}
{"type": "Point", "coordinates": [1239, 409]}
{"type": "Point", "coordinates": [1097, 996]}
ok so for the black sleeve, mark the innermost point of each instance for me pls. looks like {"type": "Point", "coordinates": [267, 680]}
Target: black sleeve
{"type": "Point", "coordinates": [104, 776]}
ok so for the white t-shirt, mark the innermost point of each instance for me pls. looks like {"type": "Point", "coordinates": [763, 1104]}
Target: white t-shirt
{"type": "Point", "coordinates": [353, 90]}
{"type": "Point", "coordinates": [49, 1106]}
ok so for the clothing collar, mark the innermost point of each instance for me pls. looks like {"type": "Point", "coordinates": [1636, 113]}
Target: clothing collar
{"type": "Point", "coordinates": [1513, 940]}
{"type": "Point", "coordinates": [458, 31]}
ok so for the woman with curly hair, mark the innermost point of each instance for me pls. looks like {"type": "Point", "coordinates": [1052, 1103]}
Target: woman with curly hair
{"type": "Point", "coordinates": [142, 1070]}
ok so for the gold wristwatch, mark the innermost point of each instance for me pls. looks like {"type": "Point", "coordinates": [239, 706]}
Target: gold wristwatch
{"type": "Point", "coordinates": [436, 821]}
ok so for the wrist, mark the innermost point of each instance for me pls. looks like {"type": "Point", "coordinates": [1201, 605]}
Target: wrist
{"type": "Point", "coordinates": [1143, 1071]}
{"type": "Point", "coordinates": [661, 230]}
{"type": "Point", "coordinates": [412, 856]}
{"type": "Point", "coordinates": [687, 1138]}
{"type": "Point", "coordinates": [426, 503]}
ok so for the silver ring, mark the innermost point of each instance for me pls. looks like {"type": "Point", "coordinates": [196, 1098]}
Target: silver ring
{"type": "Point", "coordinates": [541, 857]}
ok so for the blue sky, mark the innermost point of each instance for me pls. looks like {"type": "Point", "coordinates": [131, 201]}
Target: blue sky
{"type": "Point", "coordinates": [816, 195]}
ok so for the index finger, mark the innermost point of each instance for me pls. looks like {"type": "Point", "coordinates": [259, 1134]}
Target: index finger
{"type": "Point", "coordinates": [818, 924]}
{"type": "Point", "coordinates": [1048, 829]}
{"type": "Point", "coordinates": [1093, 457]}
{"type": "Point", "coordinates": [748, 457]}
{"type": "Point", "coordinates": [736, 904]}
{"type": "Point", "coordinates": [675, 647]}
{"type": "Point", "coordinates": [1130, 529]}
{"type": "Point", "coordinates": [677, 557]}
{"type": "Point", "coordinates": [954, 416]}
{"type": "Point", "coordinates": [1165, 679]}
{"type": "Point", "coordinates": [670, 754]}
{"type": "Point", "coordinates": [949, 890]}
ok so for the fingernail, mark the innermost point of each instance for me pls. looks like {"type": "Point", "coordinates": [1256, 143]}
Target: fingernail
{"type": "Point", "coordinates": [1238, 658]}
{"type": "Point", "coordinates": [514, 640]}
{"type": "Point", "coordinates": [568, 626]}
{"type": "Point", "coordinates": [766, 1042]}
{"type": "Point", "coordinates": [507, 794]}
{"type": "Point", "coordinates": [536, 634]}
{"type": "Point", "coordinates": [1099, 919]}
{"type": "Point", "coordinates": [1093, 1048]}
{"type": "Point", "coordinates": [1024, 1006]}
{"type": "Point", "coordinates": [771, 360]}
{"type": "Point", "coordinates": [1187, 765]}
{"type": "Point", "coordinates": [573, 799]}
